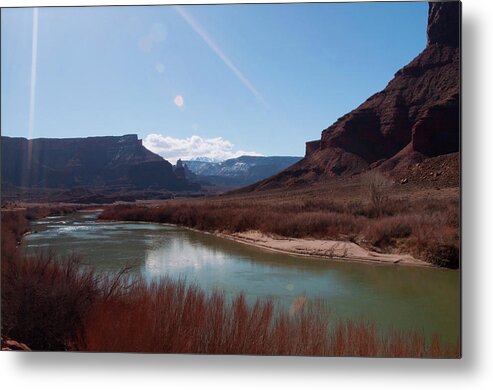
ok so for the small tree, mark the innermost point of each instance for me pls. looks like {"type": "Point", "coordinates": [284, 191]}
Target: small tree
{"type": "Point", "coordinates": [376, 187]}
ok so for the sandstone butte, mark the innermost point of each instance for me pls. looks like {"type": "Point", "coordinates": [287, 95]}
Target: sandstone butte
{"type": "Point", "coordinates": [416, 116]}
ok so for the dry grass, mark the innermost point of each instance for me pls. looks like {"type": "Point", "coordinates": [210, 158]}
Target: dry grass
{"type": "Point", "coordinates": [171, 317]}
{"type": "Point", "coordinates": [14, 225]}
{"type": "Point", "coordinates": [44, 303]}
{"type": "Point", "coordinates": [35, 212]}
{"type": "Point", "coordinates": [426, 226]}
{"type": "Point", "coordinates": [53, 304]}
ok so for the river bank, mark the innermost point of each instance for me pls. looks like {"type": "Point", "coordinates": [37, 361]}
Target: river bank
{"type": "Point", "coordinates": [406, 230]}
{"type": "Point", "coordinates": [325, 249]}
{"type": "Point", "coordinates": [305, 247]}
{"type": "Point", "coordinates": [343, 251]}
{"type": "Point", "coordinates": [404, 298]}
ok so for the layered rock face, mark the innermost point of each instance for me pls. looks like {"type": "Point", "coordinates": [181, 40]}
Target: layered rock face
{"type": "Point", "coordinates": [118, 162]}
{"type": "Point", "coordinates": [417, 114]}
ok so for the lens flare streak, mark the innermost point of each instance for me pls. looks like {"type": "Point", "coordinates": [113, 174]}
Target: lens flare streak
{"type": "Point", "coordinates": [216, 49]}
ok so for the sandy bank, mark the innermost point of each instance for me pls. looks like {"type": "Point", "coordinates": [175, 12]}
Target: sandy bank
{"type": "Point", "coordinates": [325, 249]}
{"type": "Point", "coordinates": [334, 250]}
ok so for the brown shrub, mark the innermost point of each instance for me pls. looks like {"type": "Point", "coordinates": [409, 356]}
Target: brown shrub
{"type": "Point", "coordinates": [443, 255]}
{"type": "Point", "coordinates": [44, 303]}
{"type": "Point", "coordinates": [427, 228]}
{"type": "Point", "coordinates": [384, 231]}
{"type": "Point", "coordinates": [14, 225]}
{"type": "Point", "coordinates": [171, 317]}
{"type": "Point", "coordinates": [51, 304]}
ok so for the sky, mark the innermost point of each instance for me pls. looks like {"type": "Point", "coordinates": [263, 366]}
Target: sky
{"type": "Point", "coordinates": [213, 81]}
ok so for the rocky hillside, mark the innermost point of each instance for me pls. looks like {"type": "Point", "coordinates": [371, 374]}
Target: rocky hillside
{"type": "Point", "coordinates": [237, 172]}
{"type": "Point", "coordinates": [119, 162]}
{"type": "Point", "coordinates": [415, 117]}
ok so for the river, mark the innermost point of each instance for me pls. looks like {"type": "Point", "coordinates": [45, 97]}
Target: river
{"type": "Point", "coordinates": [392, 296]}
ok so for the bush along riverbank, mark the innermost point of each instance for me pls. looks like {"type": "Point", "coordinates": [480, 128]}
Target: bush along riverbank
{"type": "Point", "coordinates": [50, 303]}
{"type": "Point", "coordinates": [425, 228]}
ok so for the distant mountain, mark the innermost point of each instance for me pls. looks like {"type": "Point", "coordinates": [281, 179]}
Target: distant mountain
{"type": "Point", "coordinates": [117, 162]}
{"type": "Point", "coordinates": [235, 172]}
{"type": "Point", "coordinates": [416, 116]}
{"type": "Point", "coordinates": [207, 159]}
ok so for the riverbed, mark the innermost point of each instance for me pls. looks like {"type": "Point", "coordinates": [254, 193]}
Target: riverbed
{"type": "Point", "coordinates": [391, 296]}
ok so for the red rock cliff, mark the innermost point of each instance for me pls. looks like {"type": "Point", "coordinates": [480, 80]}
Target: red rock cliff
{"type": "Point", "coordinates": [417, 111]}
{"type": "Point", "coordinates": [119, 162]}
{"type": "Point", "coordinates": [416, 114]}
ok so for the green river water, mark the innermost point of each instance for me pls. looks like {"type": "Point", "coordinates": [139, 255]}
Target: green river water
{"type": "Point", "coordinates": [392, 296]}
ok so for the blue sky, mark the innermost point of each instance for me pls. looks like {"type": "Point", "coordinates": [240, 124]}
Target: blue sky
{"type": "Point", "coordinates": [201, 80]}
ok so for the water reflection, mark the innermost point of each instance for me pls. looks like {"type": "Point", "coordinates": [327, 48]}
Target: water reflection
{"type": "Point", "coordinates": [398, 296]}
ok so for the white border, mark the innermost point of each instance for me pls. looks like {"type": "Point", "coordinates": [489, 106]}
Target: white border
{"type": "Point", "coordinates": [474, 370]}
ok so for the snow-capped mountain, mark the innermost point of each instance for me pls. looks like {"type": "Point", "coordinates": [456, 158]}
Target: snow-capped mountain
{"type": "Point", "coordinates": [237, 172]}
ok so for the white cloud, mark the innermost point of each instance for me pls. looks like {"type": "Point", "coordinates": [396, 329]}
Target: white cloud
{"type": "Point", "coordinates": [156, 34]}
{"type": "Point", "coordinates": [192, 147]}
{"type": "Point", "coordinates": [160, 67]}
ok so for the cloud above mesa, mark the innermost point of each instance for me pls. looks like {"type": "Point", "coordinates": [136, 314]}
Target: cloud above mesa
{"type": "Point", "coordinates": [193, 147]}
